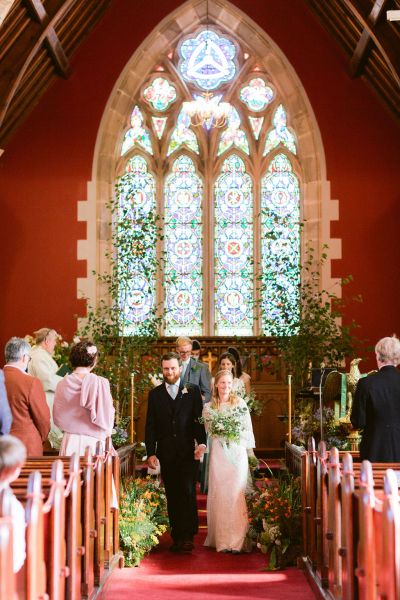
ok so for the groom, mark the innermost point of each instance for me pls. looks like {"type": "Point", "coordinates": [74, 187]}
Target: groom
{"type": "Point", "coordinates": [172, 427]}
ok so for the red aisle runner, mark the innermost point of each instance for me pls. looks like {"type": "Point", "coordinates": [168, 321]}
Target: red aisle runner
{"type": "Point", "coordinates": [204, 574]}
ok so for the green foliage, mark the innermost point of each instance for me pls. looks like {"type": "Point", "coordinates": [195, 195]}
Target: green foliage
{"type": "Point", "coordinates": [125, 346]}
{"type": "Point", "coordinates": [315, 335]}
{"type": "Point", "coordinates": [275, 519]}
{"type": "Point", "coordinates": [143, 517]}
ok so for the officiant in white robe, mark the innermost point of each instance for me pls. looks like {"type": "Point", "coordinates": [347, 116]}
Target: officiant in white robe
{"type": "Point", "coordinates": [43, 366]}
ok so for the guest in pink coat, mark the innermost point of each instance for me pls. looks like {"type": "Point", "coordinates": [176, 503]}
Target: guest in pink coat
{"type": "Point", "coordinates": [83, 407]}
{"type": "Point", "coordinates": [30, 413]}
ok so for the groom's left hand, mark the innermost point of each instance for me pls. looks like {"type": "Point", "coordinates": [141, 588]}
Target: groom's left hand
{"type": "Point", "coordinates": [199, 451]}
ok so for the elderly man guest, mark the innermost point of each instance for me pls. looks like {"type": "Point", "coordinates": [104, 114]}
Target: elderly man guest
{"type": "Point", "coordinates": [30, 413]}
{"type": "Point", "coordinates": [44, 367]}
{"type": "Point", "coordinates": [376, 406]}
{"type": "Point", "coordinates": [193, 371]}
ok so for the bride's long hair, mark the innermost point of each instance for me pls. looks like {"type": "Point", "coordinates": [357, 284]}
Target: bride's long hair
{"type": "Point", "coordinates": [233, 398]}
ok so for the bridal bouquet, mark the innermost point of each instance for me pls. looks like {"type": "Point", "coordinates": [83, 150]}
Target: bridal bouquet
{"type": "Point", "coordinates": [224, 424]}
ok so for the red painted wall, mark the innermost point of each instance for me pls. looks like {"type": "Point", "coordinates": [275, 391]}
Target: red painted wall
{"type": "Point", "coordinates": [46, 165]}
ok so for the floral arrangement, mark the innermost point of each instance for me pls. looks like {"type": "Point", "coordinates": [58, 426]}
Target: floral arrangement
{"type": "Point", "coordinates": [143, 517]}
{"type": "Point", "coordinates": [224, 424]}
{"type": "Point", "coordinates": [254, 405]}
{"type": "Point", "coordinates": [63, 349]}
{"type": "Point", "coordinates": [307, 424]}
{"type": "Point", "coordinates": [274, 508]}
{"type": "Point", "coordinates": [120, 435]}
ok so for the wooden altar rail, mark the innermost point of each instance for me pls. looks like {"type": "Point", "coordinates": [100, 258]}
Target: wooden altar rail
{"type": "Point", "coordinates": [351, 525]}
{"type": "Point", "coordinates": [72, 534]}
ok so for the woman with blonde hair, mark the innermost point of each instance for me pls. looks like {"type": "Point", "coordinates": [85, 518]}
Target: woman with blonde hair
{"type": "Point", "coordinates": [228, 423]}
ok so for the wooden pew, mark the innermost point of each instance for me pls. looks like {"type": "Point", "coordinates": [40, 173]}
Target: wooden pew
{"type": "Point", "coordinates": [357, 513]}
{"type": "Point", "coordinates": [70, 524]}
{"type": "Point", "coordinates": [7, 579]}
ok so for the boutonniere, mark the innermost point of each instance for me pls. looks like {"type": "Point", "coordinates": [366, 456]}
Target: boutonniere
{"type": "Point", "coordinates": [185, 390]}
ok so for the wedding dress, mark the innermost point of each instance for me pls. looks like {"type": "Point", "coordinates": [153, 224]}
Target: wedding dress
{"type": "Point", "coordinates": [227, 518]}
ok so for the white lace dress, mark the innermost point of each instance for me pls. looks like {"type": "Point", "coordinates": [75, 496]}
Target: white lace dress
{"type": "Point", "coordinates": [227, 518]}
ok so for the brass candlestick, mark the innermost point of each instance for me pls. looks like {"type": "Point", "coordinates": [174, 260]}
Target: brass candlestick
{"type": "Point", "coordinates": [132, 411]}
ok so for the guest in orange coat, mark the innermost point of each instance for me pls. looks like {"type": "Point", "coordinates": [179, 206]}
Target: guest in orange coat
{"type": "Point", "coordinates": [31, 415]}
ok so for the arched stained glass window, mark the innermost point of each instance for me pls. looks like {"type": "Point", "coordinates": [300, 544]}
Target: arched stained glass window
{"type": "Point", "coordinates": [183, 249]}
{"type": "Point", "coordinates": [233, 249]}
{"type": "Point", "coordinates": [138, 233]}
{"type": "Point", "coordinates": [280, 218]}
{"type": "Point", "coordinates": [227, 195]}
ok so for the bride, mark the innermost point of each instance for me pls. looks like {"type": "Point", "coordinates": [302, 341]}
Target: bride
{"type": "Point", "coordinates": [227, 518]}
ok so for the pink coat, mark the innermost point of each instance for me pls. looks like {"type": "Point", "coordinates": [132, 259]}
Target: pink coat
{"type": "Point", "coordinates": [84, 406]}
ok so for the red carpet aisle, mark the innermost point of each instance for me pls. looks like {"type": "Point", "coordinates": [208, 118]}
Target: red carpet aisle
{"type": "Point", "coordinates": [204, 575]}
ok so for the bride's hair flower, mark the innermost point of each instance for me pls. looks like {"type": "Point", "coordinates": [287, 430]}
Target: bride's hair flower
{"type": "Point", "coordinates": [91, 350]}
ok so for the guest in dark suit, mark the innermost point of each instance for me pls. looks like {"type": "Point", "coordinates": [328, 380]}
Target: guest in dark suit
{"type": "Point", "coordinates": [30, 413]}
{"type": "Point", "coordinates": [193, 371]}
{"type": "Point", "coordinates": [5, 412]}
{"type": "Point", "coordinates": [376, 406]}
{"type": "Point", "coordinates": [172, 428]}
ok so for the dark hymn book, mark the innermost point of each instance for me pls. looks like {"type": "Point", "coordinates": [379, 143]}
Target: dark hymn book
{"type": "Point", "coordinates": [63, 370]}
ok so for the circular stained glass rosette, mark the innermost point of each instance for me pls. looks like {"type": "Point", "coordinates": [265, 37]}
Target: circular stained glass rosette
{"type": "Point", "coordinates": [183, 249]}
{"type": "Point", "coordinates": [141, 201]}
{"type": "Point", "coordinates": [256, 95]}
{"type": "Point", "coordinates": [280, 195]}
{"type": "Point", "coordinates": [141, 299]}
{"type": "Point", "coordinates": [183, 300]}
{"type": "Point", "coordinates": [160, 94]}
{"type": "Point", "coordinates": [233, 248]}
{"type": "Point", "coordinates": [207, 60]}
{"type": "Point", "coordinates": [234, 203]}
{"type": "Point", "coordinates": [183, 204]}
{"type": "Point", "coordinates": [234, 300]}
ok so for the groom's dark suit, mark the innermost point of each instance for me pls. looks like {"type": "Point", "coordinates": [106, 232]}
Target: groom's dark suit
{"type": "Point", "coordinates": [172, 427]}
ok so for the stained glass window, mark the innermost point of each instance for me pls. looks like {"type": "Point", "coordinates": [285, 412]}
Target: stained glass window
{"type": "Point", "coordinates": [280, 243]}
{"type": "Point", "coordinates": [183, 254]}
{"type": "Point", "coordinates": [160, 94]}
{"type": "Point", "coordinates": [233, 134]}
{"type": "Point", "coordinates": [257, 94]}
{"type": "Point", "coordinates": [137, 134]}
{"type": "Point", "coordinates": [233, 249]}
{"type": "Point", "coordinates": [229, 209]}
{"type": "Point", "coordinates": [256, 125]}
{"type": "Point", "coordinates": [137, 230]}
{"type": "Point", "coordinates": [159, 124]}
{"type": "Point", "coordinates": [183, 135]}
{"type": "Point", "coordinates": [207, 60]}
{"type": "Point", "coordinates": [280, 134]}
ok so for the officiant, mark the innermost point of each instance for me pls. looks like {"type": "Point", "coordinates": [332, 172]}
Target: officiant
{"type": "Point", "coordinates": [43, 366]}
{"type": "Point", "coordinates": [176, 439]}
{"type": "Point", "coordinates": [193, 371]}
